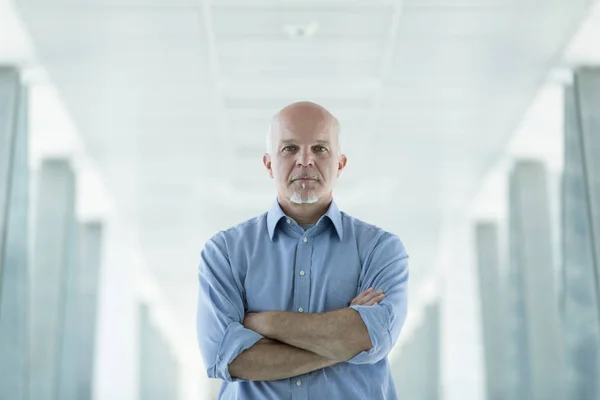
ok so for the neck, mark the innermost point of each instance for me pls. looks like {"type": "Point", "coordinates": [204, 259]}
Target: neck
{"type": "Point", "coordinates": [305, 213]}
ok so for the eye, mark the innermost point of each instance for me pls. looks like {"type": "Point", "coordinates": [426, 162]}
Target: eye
{"type": "Point", "coordinates": [289, 148]}
{"type": "Point", "coordinates": [320, 149]}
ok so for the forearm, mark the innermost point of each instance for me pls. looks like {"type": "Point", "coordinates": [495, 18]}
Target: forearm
{"type": "Point", "coordinates": [271, 360]}
{"type": "Point", "coordinates": [338, 335]}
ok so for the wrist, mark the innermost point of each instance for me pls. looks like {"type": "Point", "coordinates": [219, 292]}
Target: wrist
{"type": "Point", "coordinates": [267, 325]}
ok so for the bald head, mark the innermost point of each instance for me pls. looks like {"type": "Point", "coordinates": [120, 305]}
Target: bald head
{"type": "Point", "coordinates": [303, 116]}
{"type": "Point", "coordinates": [303, 155]}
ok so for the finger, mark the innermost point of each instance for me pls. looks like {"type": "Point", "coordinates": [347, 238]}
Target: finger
{"type": "Point", "coordinates": [365, 293]}
{"type": "Point", "coordinates": [375, 300]}
{"type": "Point", "coordinates": [374, 293]}
{"type": "Point", "coordinates": [369, 297]}
{"type": "Point", "coordinates": [362, 295]}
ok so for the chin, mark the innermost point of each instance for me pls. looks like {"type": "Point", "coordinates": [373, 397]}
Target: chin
{"type": "Point", "coordinates": [298, 198]}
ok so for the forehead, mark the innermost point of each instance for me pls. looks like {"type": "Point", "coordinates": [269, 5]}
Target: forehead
{"type": "Point", "coordinates": [317, 133]}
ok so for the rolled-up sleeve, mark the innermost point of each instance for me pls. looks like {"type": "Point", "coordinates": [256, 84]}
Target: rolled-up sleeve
{"type": "Point", "coordinates": [221, 335]}
{"type": "Point", "coordinates": [387, 269]}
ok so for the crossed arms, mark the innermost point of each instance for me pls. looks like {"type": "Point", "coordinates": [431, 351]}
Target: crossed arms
{"type": "Point", "coordinates": [277, 345]}
{"type": "Point", "coordinates": [297, 344]}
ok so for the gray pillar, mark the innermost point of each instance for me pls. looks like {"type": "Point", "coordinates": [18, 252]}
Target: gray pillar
{"type": "Point", "coordinates": [493, 315]}
{"type": "Point", "coordinates": [78, 339]}
{"type": "Point", "coordinates": [581, 230]}
{"type": "Point", "coordinates": [537, 358]}
{"type": "Point", "coordinates": [54, 258]}
{"type": "Point", "coordinates": [14, 209]}
{"type": "Point", "coordinates": [416, 372]}
{"type": "Point", "coordinates": [69, 350]}
{"type": "Point", "coordinates": [159, 370]}
{"type": "Point", "coordinates": [90, 251]}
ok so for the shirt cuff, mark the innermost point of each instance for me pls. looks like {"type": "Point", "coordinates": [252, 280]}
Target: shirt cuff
{"type": "Point", "coordinates": [376, 318]}
{"type": "Point", "coordinates": [236, 339]}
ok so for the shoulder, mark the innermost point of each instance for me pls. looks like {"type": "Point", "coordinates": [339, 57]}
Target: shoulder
{"type": "Point", "coordinates": [238, 234]}
{"type": "Point", "coordinates": [371, 236]}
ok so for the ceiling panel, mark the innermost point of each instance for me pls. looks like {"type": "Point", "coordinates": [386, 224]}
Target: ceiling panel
{"type": "Point", "coordinates": [464, 22]}
{"type": "Point", "coordinates": [360, 103]}
{"type": "Point", "coordinates": [301, 87]}
{"type": "Point", "coordinates": [266, 5]}
{"type": "Point", "coordinates": [461, 62]}
{"type": "Point", "coordinates": [118, 5]}
{"type": "Point", "coordinates": [117, 24]}
{"type": "Point", "coordinates": [298, 52]}
{"type": "Point", "coordinates": [327, 66]}
{"type": "Point", "coordinates": [464, 4]}
{"type": "Point", "coordinates": [280, 20]}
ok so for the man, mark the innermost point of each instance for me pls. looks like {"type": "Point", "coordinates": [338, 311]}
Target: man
{"type": "Point", "coordinates": [303, 301]}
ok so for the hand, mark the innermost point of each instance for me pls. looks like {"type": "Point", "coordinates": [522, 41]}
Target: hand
{"type": "Point", "coordinates": [251, 321]}
{"type": "Point", "coordinates": [258, 322]}
{"type": "Point", "coordinates": [369, 297]}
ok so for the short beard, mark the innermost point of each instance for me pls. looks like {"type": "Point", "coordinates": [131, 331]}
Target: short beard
{"type": "Point", "coordinates": [298, 199]}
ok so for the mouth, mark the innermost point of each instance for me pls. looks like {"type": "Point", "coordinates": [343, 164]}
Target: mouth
{"type": "Point", "coordinates": [305, 181]}
{"type": "Point", "coordinates": [305, 178]}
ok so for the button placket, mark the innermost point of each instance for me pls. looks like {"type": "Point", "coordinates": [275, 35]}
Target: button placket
{"type": "Point", "coordinates": [302, 269]}
{"type": "Point", "coordinates": [299, 387]}
{"type": "Point", "coordinates": [302, 282]}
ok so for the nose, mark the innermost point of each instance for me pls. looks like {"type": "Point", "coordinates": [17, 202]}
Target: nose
{"type": "Point", "coordinates": [305, 158]}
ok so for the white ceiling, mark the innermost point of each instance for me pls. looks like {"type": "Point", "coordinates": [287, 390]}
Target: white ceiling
{"type": "Point", "coordinates": [173, 99]}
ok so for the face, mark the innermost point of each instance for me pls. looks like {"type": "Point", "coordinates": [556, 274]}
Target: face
{"type": "Point", "coordinates": [304, 160]}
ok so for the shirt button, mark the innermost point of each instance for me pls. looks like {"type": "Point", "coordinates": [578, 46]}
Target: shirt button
{"type": "Point", "coordinates": [305, 240]}
{"type": "Point", "coordinates": [301, 273]}
{"type": "Point", "coordinates": [288, 221]}
{"type": "Point", "coordinates": [298, 382]}
{"type": "Point", "coordinates": [300, 309]}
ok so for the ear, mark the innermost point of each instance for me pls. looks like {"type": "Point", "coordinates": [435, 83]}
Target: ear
{"type": "Point", "coordinates": [341, 164]}
{"type": "Point", "coordinates": [267, 163]}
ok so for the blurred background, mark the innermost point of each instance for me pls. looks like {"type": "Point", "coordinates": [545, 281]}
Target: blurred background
{"type": "Point", "coordinates": [131, 131]}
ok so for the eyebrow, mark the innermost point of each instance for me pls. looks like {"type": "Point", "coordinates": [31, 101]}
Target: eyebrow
{"type": "Point", "coordinates": [292, 141]}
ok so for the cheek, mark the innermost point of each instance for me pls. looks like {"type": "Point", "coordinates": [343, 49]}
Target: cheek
{"type": "Point", "coordinates": [330, 171]}
{"type": "Point", "coordinates": [280, 170]}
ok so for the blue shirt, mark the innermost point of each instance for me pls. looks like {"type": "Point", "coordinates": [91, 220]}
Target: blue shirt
{"type": "Point", "coordinates": [269, 263]}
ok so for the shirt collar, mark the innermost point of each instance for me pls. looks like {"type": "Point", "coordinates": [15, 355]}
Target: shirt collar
{"type": "Point", "coordinates": [275, 214]}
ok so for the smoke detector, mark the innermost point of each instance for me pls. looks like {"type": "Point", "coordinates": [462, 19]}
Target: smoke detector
{"type": "Point", "coordinates": [301, 31]}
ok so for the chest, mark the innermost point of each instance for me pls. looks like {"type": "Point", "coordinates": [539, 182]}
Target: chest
{"type": "Point", "coordinates": [298, 275]}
